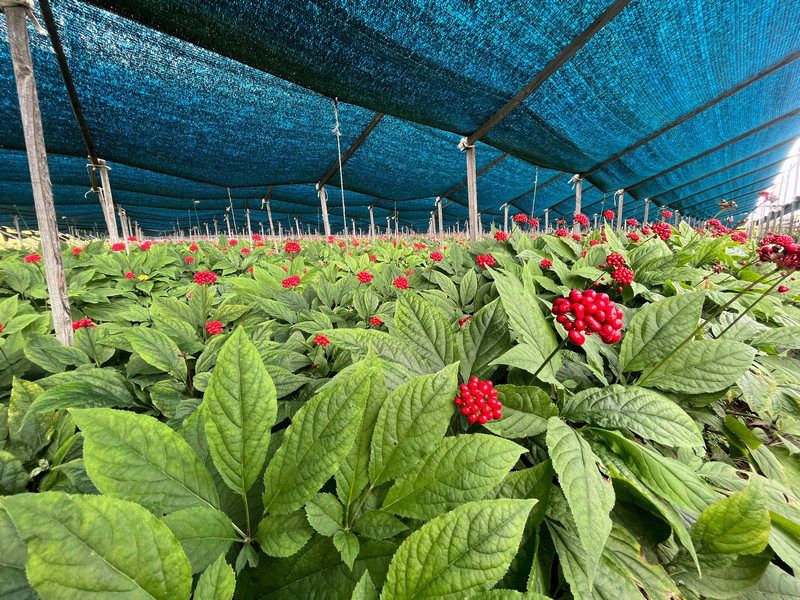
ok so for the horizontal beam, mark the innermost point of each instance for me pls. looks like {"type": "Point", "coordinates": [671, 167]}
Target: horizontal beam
{"type": "Point", "coordinates": [549, 69]}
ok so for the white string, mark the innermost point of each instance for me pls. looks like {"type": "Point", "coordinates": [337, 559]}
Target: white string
{"type": "Point", "coordinates": [535, 187]}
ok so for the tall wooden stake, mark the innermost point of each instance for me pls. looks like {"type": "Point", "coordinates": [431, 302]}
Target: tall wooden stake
{"type": "Point", "coordinates": [472, 194]}
{"type": "Point", "coordinates": [323, 202]}
{"type": "Point", "coordinates": [646, 210]}
{"type": "Point", "coordinates": [40, 174]}
{"type": "Point", "coordinates": [107, 202]}
{"type": "Point", "coordinates": [371, 224]}
{"type": "Point", "coordinates": [619, 208]}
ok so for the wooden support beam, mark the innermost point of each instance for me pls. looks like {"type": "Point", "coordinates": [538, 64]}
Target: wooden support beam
{"type": "Point", "coordinates": [323, 203]}
{"type": "Point", "coordinates": [646, 210]}
{"type": "Point", "coordinates": [372, 223]}
{"type": "Point", "coordinates": [576, 227]}
{"type": "Point", "coordinates": [620, 202]}
{"type": "Point", "coordinates": [249, 228]}
{"type": "Point", "coordinates": [351, 150]}
{"type": "Point", "coordinates": [472, 194]}
{"type": "Point", "coordinates": [550, 68]}
{"type": "Point", "coordinates": [505, 218]}
{"type": "Point", "coordinates": [19, 43]}
{"type": "Point", "coordinates": [439, 208]}
{"type": "Point", "coordinates": [107, 201]}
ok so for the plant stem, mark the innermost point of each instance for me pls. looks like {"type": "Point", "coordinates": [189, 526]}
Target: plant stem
{"type": "Point", "coordinates": [348, 525]}
{"type": "Point", "coordinates": [703, 324]}
{"type": "Point", "coordinates": [247, 515]}
{"type": "Point", "coordinates": [745, 311]}
{"type": "Point", "coordinates": [552, 354]}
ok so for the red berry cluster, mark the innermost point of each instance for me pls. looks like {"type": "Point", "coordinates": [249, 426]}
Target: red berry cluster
{"type": "Point", "coordinates": [667, 214]}
{"type": "Point", "coordinates": [500, 236]}
{"type": "Point", "coordinates": [663, 230]}
{"type": "Point", "coordinates": [129, 275]}
{"type": "Point", "coordinates": [615, 259]}
{"type": "Point", "coordinates": [546, 263]}
{"type": "Point", "coordinates": [561, 233]}
{"type": "Point", "coordinates": [632, 222]}
{"type": "Point", "coordinates": [214, 327]}
{"type": "Point", "coordinates": [83, 323]}
{"type": "Point", "coordinates": [76, 251]}
{"type": "Point", "coordinates": [581, 219]}
{"type": "Point", "coordinates": [291, 248]}
{"type": "Point", "coordinates": [118, 247]}
{"type": "Point", "coordinates": [634, 237]}
{"type": "Point", "coordinates": [193, 248]}
{"type": "Point", "coordinates": [533, 222]}
{"type": "Point", "coordinates": [321, 340]}
{"type": "Point", "coordinates": [464, 320]}
{"type": "Point", "coordinates": [232, 242]}
{"type": "Point", "coordinates": [189, 259]}
{"type": "Point", "coordinates": [401, 283]}
{"type": "Point", "coordinates": [32, 258]}
{"type": "Point", "coordinates": [373, 258]}
{"type": "Point", "coordinates": [622, 275]}
{"type": "Point", "coordinates": [592, 312]}
{"type": "Point", "coordinates": [781, 250]}
{"type": "Point", "coordinates": [485, 260]}
{"type": "Point", "coordinates": [375, 322]}
{"type": "Point", "coordinates": [437, 256]}
{"type": "Point", "coordinates": [364, 277]}
{"type": "Point", "coordinates": [245, 250]}
{"type": "Point", "coordinates": [739, 236]}
{"type": "Point", "coordinates": [1, 328]}
{"type": "Point", "coordinates": [608, 214]}
{"type": "Point", "coordinates": [520, 218]}
{"type": "Point", "coordinates": [204, 277]}
{"type": "Point", "coordinates": [292, 281]}
{"type": "Point", "coordinates": [478, 401]}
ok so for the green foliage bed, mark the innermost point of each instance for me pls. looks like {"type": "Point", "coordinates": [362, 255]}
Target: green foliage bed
{"type": "Point", "coordinates": [288, 429]}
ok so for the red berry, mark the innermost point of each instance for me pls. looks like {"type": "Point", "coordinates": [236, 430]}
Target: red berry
{"type": "Point", "coordinates": [576, 337]}
{"type": "Point", "coordinates": [783, 289]}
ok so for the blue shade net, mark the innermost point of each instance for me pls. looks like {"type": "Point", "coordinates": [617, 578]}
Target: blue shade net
{"type": "Point", "coordinates": [203, 104]}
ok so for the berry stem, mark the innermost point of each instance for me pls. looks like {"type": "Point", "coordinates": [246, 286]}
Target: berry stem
{"type": "Point", "coordinates": [702, 325]}
{"type": "Point", "coordinates": [552, 354]}
{"type": "Point", "coordinates": [746, 310]}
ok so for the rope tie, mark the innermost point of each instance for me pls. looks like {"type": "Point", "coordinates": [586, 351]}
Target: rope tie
{"type": "Point", "coordinates": [28, 6]}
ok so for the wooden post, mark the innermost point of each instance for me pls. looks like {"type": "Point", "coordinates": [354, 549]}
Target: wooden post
{"type": "Point", "coordinates": [208, 235]}
{"type": "Point", "coordinates": [216, 229]}
{"type": "Point", "coordinates": [546, 220]}
{"type": "Point", "coordinates": [505, 218]}
{"type": "Point", "coordinates": [249, 228]}
{"type": "Point", "coordinates": [280, 231]}
{"type": "Point", "coordinates": [472, 194]}
{"type": "Point", "coordinates": [621, 201]}
{"type": "Point", "coordinates": [107, 202]}
{"type": "Point", "coordinates": [371, 224]}
{"type": "Point", "coordinates": [595, 220]}
{"type": "Point", "coordinates": [228, 224]}
{"type": "Point", "coordinates": [646, 211]}
{"type": "Point", "coordinates": [323, 203]}
{"type": "Point", "coordinates": [677, 217]}
{"type": "Point", "coordinates": [441, 221]}
{"type": "Point", "coordinates": [19, 43]}
{"type": "Point", "coordinates": [576, 227]}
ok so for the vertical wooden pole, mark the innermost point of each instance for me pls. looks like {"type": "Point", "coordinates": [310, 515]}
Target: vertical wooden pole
{"type": "Point", "coordinates": [249, 228]}
{"type": "Point", "coordinates": [19, 42]}
{"type": "Point", "coordinates": [441, 221]}
{"type": "Point", "coordinates": [646, 211]}
{"type": "Point", "coordinates": [216, 229]}
{"type": "Point", "coordinates": [595, 220]}
{"type": "Point", "coordinates": [505, 219]}
{"type": "Point", "coordinates": [546, 220]}
{"type": "Point", "coordinates": [107, 202]}
{"type": "Point", "coordinates": [371, 224]}
{"type": "Point", "coordinates": [472, 194]}
{"type": "Point", "coordinates": [228, 224]}
{"type": "Point", "coordinates": [208, 235]}
{"type": "Point", "coordinates": [576, 227]}
{"type": "Point", "coordinates": [280, 232]}
{"type": "Point", "coordinates": [323, 203]}
{"type": "Point", "coordinates": [619, 208]}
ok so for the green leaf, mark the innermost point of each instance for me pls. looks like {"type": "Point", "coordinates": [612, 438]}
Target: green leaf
{"type": "Point", "coordinates": [325, 514]}
{"type": "Point", "coordinates": [787, 338]}
{"type": "Point", "coordinates": [51, 355]}
{"type": "Point", "coordinates": [775, 584]}
{"type": "Point", "coordinates": [284, 535]}
{"type": "Point", "coordinates": [412, 419]}
{"type": "Point", "coordinates": [659, 328]}
{"type": "Point", "coordinates": [365, 589]}
{"type": "Point", "coordinates": [535, 482]}
{"type": "Point", "coordinates": [385, 346]}
{"type": "Point", "coordinates": [508, 595]}
{"type": "Point", "coordinates": [239, 406]}
{"type": "Point", "coordinates": [589, 496]}
{"type": "Point", "coordinates": [702, 366]}
{"type": "Point", "coordinates": [109, 546]}
{"type": "Point", "coordinates": [525, 412]}
{"type": "Point", "coordinates": [13, 583]}
{"type": "Point", "coordinates": [463, 552]}
{"type": "Point", "coordinates": [738, 524]}
{"type": "Point", "coordinates": [667, 477]}
{"type": "Point", "coordinates": [314, 446]}
{"type": "Point", "coordinates": [34, 432]}
{"type": "Point", "coordinates": [83, 394]}
{"type": "Point", "coordinates": [379, 525]}
{"type": "Point", "coordinates": [468, 287]}
{"type": "Point", "coordinates": [347, 544]}
{"type": "Point", "coordinates": [217, 582]}
{"type": "Point", "coordinates": [13, 476]}
{"type": "Point", "coordinates": [646, 413]}
{"type": "Point", "coordinates": [424, 328]}
{"type": "Point", "coordinates": [137, 458]}
{"type": "Point", "coordinates": [524, 314]}
{"type": "Point", "coordinates": [459, 469]}
{"type": "Point", "coordinates": [353, 475]}
{"type": "Point", "coordinates": [530, 358]}
{"type": "Point", "coordinates": [728, 582]}
{"type": "Point", "coordinates": [158, 350]}
{"type": "Point", "coordinates": [204, 533]}
{"type": "Point", "coordinates": [481, 340]}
